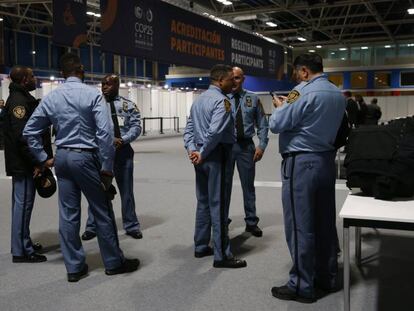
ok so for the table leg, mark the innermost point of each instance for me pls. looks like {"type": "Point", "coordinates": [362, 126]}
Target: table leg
{"type": "Point", "coordinates": [346, 270]}
{"type": "Point", "coordinates": [358, 245]}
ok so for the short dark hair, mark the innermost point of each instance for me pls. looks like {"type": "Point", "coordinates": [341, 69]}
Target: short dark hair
{"type": "Point", "coordinates": [219, 71]}
{"type": "Point", "coordinates": [348, 94]}
{"type": "Point", "coordinates": [374, 101]}
{"type": "Point", "coordinates": [111, 76]}
{"type": "Point", "coordinates": [70, 63]}
{"type": "Point", "coordinates": [18, 73]}
{"type": "Point", "coordinates": [310, 60]}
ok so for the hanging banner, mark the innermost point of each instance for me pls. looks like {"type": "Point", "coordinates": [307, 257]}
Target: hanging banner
{"type": "Point", "coordinates": [69, 22]}
{"type": "Point", "coordinates": [158, 31]}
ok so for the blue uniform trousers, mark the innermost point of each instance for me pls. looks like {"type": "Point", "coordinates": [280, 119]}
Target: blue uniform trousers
{"type": "Point", "coordinates": [22, 205]}
{"type": "Point", "coordinates": [242, 155]}
{"type": "Point", "coordinates": [308, 196]}
{"type": "Point", "coordinates": [211, 192]}
{"type": "Point", "coordinates": [124, 176]}
{"type": "Point", "coordinates": [79, 172]}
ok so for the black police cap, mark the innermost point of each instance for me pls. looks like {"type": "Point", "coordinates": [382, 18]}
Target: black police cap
{"type": "Point", "coordinates": [45, 184]}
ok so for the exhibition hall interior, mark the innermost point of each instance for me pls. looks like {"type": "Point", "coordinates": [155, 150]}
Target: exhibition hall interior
{"type": "Point", "coordinates": [206, 155]}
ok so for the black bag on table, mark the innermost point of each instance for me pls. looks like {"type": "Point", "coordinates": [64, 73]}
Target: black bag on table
{"type": "Point", "coordinates": [380, 159]}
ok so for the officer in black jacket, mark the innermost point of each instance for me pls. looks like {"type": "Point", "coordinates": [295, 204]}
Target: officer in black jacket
{"type": "Point", "coordinates": [20, 164]}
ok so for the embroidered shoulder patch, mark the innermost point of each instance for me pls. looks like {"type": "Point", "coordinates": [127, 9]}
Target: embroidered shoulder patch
{"type": "Point", "coordinates": [227, 105]}
{"type": "Point", "coordinates": [19, 112]}
{"type": "Point", "coordinates": [248, 101]}
{"type": "Point", "coordinates": [293, 96]}
{"type": "Point", "coordinates": [125, 106]}
{"type": "Point", "coordinates": [136, 109]}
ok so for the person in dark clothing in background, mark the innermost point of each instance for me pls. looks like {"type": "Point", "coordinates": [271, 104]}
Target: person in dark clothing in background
{"type": "Point", "coordinates": [362, 109]}
{"type": "Point", "coordinates": [351, 109]}
{"type": "Point", "coordinates": [20, 163]}
{"type": "Point", "coordinates": [373, 113]}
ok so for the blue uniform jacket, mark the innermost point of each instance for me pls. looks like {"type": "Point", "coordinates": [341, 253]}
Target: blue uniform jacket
{"type": "Point", "coordinates": [81, 118]}
{"type": "Point", "coordinates": [129, 119]}
{"type": "Point", "coordinates": [210, 122]}
{"type": "Point", "coordinates": [309, 119]}
{"type": "Point", "coordinates": [253, 116]}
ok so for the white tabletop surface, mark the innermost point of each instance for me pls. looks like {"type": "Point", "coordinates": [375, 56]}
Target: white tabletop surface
{"type": "Point", "coordinates": [361, 207]}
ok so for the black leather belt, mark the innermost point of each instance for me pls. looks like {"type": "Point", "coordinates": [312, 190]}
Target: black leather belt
{"type": "Point", "coordinates": [78, 149]}
{"type": "Point", "coordinates": [294, 153]}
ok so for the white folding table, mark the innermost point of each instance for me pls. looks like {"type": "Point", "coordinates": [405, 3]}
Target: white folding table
{"type": "Point", "coordinates": [360, 211]}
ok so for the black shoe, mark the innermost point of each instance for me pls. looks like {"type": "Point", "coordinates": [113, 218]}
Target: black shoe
{"type": "Point", "coordinates": [230, 263]}
{"type": "Point", "coordinates": [37, 246]}
{"type": "Point", "coordinates": [136, 234]}
{"type": "Point", "coordinates": [74, 277]}
{"type": "Point", "coordinates": [30, 258]}
{"type": "Point", "coordinates": [88, 235]}
{"type": "Point", "coordinates": [254, 230]}
{"type": "Point", "coordinates": [207, 252]}
{"type": "Point", "coordinates": [285, 293]}
{"type": "Point", "coordinates": [128, 265]}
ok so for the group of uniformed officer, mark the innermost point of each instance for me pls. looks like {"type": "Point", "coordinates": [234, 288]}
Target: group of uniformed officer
{"type": "Point", "coordinates": [87, 141]}
{"type": "Point", "coordinates": [93, 131]}
{"type": "Point", "coordinates": [219, 134]}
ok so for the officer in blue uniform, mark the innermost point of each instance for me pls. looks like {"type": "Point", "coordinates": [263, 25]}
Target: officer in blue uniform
{"type": "Point", "coordinates": [83, 164]}
{"type": "Point", "coordinates": [208, 138]}
{"type": "Point", "coordinates": [127, 127]}
{"type": "Point", "coordinates": [308, 121]}
{"type": "Point", "coordinates": [248, 113]}
{"type": "Point", "coordinates": [20, 164]}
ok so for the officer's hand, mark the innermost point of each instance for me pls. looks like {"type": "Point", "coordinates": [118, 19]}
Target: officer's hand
{"type": "Point", "coordinates": [49, 163]}
{"type": "Point", "coordinates": [118, 142]}
{"type": "Point", "coordinates": [278, 100]}
{"type": "Point", "coordinates": [37, 171]}
{"type": "Point", "coordinates": [258, 154]}
{"type": "Point", "coordinates": [195, 157]}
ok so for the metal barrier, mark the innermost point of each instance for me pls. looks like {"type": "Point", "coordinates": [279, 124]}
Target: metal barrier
{"type": "Point", "coordinates": [176, 123]}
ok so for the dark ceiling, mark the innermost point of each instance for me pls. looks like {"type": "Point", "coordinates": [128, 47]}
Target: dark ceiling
{"type": "Point", "coordinates": [321, 22]}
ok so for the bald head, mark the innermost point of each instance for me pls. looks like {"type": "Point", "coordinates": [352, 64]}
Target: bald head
{"type": "Point", "coordinates": [23, 76]}
{"type": "Point", "coordinates": [238, 79]}
{"type": "Point", "coordinates": [110, 86]}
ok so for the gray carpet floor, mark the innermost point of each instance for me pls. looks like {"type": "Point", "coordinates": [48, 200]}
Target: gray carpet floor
{"type": "Point", "coordinates": [170, 278]}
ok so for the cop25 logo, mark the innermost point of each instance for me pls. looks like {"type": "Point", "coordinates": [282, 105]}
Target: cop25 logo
{"type": "Point", "coordinates": [139, 12]}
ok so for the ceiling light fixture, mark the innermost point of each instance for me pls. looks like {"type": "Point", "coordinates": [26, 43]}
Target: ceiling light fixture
{"type": "Point", "coordinates": [319, 46]}
{"type": "Point", "coordinates": [364, 48]}
{"type": "Point", "coordinates": [343, 49]}
{"type": "Point", "coordinates": [301, 39]}
{"type": "Point", "coordinates": [410, 11]}
{"type": "Point", "coordinates": [244, 18]}
{"type": "Point", "coordinates": [271, 24]}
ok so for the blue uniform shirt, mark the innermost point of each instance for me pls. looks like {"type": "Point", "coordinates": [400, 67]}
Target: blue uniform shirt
{"type": "Point", "coordinates": [129, 119]}
{"type": "Point", "coordinates": [210, 122]}
{"type": "Point", "coordinates": [310, 118]}
{"type": "Point", "coordinates": [253, 115]}
{"type": "Point", "coordinates": [81, 118]}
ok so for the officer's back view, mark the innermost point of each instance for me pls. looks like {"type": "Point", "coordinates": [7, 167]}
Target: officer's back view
{"type": "Point", "coordinates": [83, 163]}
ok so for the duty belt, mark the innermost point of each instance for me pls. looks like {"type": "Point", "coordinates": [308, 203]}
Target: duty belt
{"type": "Point", "coordinates": [78, 149]}
{"type": "Point", "coordinates": [294, 153]}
